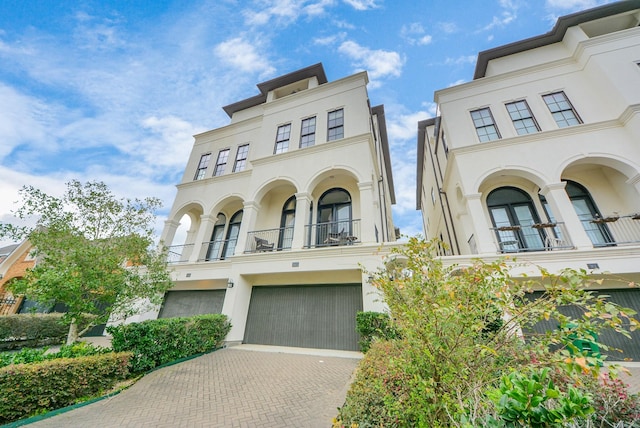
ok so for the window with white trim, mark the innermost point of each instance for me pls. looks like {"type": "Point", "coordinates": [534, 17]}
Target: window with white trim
{"type": "Point", "coordinates": [561, 109]}
{"type": "Point", "coordinates": [241, 158]}
{"type": "Point", "coordinates": [308, 132]}
{"type": "Point", "coordinates": [335, 125]}
{"type": "Point", "coordinates": [522, 118]}
{"type": "Point", "coordinates": [485, 125]}
{"type": "Point", "coordinates": [282, 138]}
{"type": "Point", "coordinates": [202, 166]}
{"type": "Point", "coordinates": [221, 163]}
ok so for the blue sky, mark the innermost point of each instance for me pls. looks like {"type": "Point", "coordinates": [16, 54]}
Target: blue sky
{"type": "Point", "coordinates": [114, 90]}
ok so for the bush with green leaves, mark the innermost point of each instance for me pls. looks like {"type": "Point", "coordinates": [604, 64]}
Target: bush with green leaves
{"type": "Point", "coordinates": [462, 331]}
{"type": "Point", "coordinates": [372, 326]}
{"type": "Point", "coordinates": [28, 389]}
{"type": "Point", "coordinates": [161, 341]}
{"type": "Point", "coordinates": [30, 355]}
{"type": "Point", "coordinates": [28, 330]}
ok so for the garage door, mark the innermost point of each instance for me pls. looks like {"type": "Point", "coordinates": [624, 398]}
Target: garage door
{"type": "Point", "coordinates": [306, 316]}
{"type": "Point", "coordinates": [193, 302]}
{"type": "Point", "coordinates": [628, 298]}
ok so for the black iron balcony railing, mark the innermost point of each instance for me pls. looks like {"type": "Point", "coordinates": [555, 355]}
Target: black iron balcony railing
{"type": "Point", "coordinates": [278, 239]}
{"type": "Point", "coordinates": [179, 253]}
{"type": "Point", "coordinates": [217, 250]}
{"type": "Point", "coordinates": [614, 230]}
{"type": "Point", "coordinates": [534, 237]}
{"type": "Point", "coordinates": [333, 233]}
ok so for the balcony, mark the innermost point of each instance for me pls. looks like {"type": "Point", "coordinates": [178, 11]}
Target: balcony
{"type": "Point", "coordinates": [260, 241]}
{"type": "Point", "coordinates": [334, 233]}
{"type": "Point", "coordinates": [614, 230]}
{"type": "Point", "coordinates": [179, 253]}
{"type": "Point", "coordinates": [534, 237]}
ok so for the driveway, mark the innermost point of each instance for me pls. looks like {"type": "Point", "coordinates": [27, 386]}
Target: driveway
{"type": "Point", "coordinates": [241, 386]}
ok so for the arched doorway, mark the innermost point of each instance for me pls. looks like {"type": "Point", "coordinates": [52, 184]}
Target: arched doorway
{"type": "Point", "coordinates": [334, 217]}
{"type": "Point", "coordinates": [287, 222]}
{"type": "Point", "coordinates": [232, 235]}
{"type": "Point", "coordinates": [513, 215]}
{"type": "Point", "coordinates": [217, 238]}
{"type": "Point", "coordinates": [589, 215]}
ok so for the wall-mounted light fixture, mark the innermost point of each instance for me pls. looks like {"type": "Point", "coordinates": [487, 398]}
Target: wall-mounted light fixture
{"type": "Point", "coordinates": [593, 266]}
{"type": "Point", "coordinates": [230, 283]}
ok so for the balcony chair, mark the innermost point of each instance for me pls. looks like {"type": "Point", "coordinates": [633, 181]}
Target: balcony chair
{"type": "Point", "coordinates": [335, 238]}
{"type": "Point", "coordinates": [263, 245]}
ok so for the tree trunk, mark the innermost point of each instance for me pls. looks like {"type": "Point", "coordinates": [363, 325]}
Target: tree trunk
{"type": "Point", "coordinates": [72, 336]}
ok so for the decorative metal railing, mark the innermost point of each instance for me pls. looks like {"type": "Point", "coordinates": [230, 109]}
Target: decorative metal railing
{"type": "Point", "coordinates": [533, 237]}
{"type": "Point", "coordinates": [259, 241]}
{"type": "Point", "coordinates": [614, 230]}
{"type": "Point", "coordinates": [333, 233]}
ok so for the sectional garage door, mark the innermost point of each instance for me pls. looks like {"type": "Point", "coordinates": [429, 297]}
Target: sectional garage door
{"type": "Point", "coordinates": [628, 298]}
{"type": "Point", "coordinates": [306, 316]}
{"type": "Point", "coordinates": [193, 302]}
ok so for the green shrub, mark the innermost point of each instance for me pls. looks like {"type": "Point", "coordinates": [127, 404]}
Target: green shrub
{"type": "Point", "coordinates": [27, 389]}
{"type": "Point", "coordinates": [161, 341]}
{"type": "Point", "coordinates": [30, 355]}
{"type": "Point", "coordinates": [30, 330]}
{"type": "Point", "coordinates": [374, 326]}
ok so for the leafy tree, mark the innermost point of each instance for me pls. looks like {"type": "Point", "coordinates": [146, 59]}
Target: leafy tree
{"type": "Point", "coordinates": [95, 253]}
{"type": "Point", "coordinates": [463, 329]}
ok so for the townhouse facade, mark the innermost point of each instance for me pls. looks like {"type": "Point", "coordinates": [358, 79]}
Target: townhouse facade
{"type": "Point", "coordinates": [538, 157]}
{"type": "Point", "coordinates": [285, 208]}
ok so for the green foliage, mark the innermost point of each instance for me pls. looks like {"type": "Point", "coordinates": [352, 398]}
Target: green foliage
{"type": "Point", "coordinates": [29, 355]}
{"type": "Point", "coordinates": [27, 389]}
{"type": "Point", "coordinates": [461, 332]}
{"type": "Point", "coordinates": [94, 251]}
{"type": "Point", "coordinates": [28, 330]}
{"type": "Point", "coordinates": [530, 399]}
{"type": "Point", "coordinates": [372, 326]}
{"type": "Point", "coordinates": [161, 341]}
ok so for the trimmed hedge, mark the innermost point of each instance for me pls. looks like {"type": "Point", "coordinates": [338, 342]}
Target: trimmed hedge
{"type": "Point", "coordinates": [161, 341]}
{"type": "Point", "coordinates": [374, 326]}
{"type": "Point", "coordinates": [28, 389]}
{"type": "Point", "coordinates": [28, 330]}
{"type": "Point", "coordinates": [30, 355]}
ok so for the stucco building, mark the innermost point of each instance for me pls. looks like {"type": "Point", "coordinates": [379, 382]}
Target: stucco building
{"type": "Point", "coordinates": [285, 205]}
{"type": "Point", "coordinates": [539, 155]}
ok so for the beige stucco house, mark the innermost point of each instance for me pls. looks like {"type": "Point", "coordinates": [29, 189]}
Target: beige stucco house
{"type": "Point", "coordinates": [538, 157]}
{"type": "Point", "coordinates": [285, 205]}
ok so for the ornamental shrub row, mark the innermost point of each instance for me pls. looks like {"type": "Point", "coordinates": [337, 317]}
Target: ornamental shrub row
{"type": "Point", "coordinates": [22, 330]}
{"type": "Point", "coordinates": [374, 326]}
{"type": "Point", "coordinates": [28, 389]}
{"type": "Point", "coordinates": [161, 341]}
{"type": "Point", "coordinates": [30, 355]}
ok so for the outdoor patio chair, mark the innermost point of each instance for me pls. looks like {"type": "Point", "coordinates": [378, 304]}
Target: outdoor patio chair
{"type": "Point", "coordinates": [263, 245]}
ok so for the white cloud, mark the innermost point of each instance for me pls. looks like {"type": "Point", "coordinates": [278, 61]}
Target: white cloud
{"type": "Point", "coordinates": [329, 40]}
{"type": "Point", "coordinates": [461, 60]}
{"type": "Point", "coordinates": [243, 55]}
{"type": "Point", "coordinates": [378, 63]}
{"type": "Point", "coordinates": [20, 121]}
{"type": "Point", "coordinates": [574, 4]}
{"type": "Point", "coordinates": [414, 33]}
{"type": "Point", "coordinates": [362, 4]}
{"type": "Point", "coordinates": [404, 127]}
{"type": "Point", "coordinates": [284, 11]}
{"type": "Point", "coordinates": [447, 27]}
{"type": "Point", "coordinates": [509, 14]}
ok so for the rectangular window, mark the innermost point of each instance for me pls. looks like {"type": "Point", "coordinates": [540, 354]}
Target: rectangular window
{"type": "Point", "coordinates": [221, 162]}
{"type": "Point", "coordinates": [561, 109]}
{"type": "Point", "coordinates": [308, 132]}
{"type": "Point", "coordinates": [444, 145]}
{"type": "Point", "coordinates": [335, 125]}
{"type": "Point", "coordinates": [485, 125]}
{"type": "Point", "coordinates": [241, 158]}
{"type": "Point", "coordinates": [282, 139]}
{"type": "Point", "coordinates": [522, 118]}
{"type": "Point", "coordinates": [202, 166]}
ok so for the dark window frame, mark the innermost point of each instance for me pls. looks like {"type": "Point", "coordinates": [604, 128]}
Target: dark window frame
{"type": "Point", "coordinates": [560, 111]}
{"type": "Point", "coordinates": [521, 119]}
{"type": "Point", "coordinates": [221, 162]}
{"type": "Point", "coordinates": [241, 158]}
{"type": "Point", "coordinates": [481, 124]}
{"type": "Point", "coordinates": [335, 124]}
{"type": "Point", "coordinates": [283, 136]}
{"type": "Point", "coordinates": [201, 171]}
{"type": "Point", "coordinates": [308, 132]}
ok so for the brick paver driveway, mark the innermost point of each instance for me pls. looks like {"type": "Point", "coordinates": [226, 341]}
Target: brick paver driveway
{"type": "Point", "coordinates": [233, 387]}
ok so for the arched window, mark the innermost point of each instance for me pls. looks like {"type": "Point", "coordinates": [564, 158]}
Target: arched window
{"type": "Point", "coordinates": [512, 214]}
{"type": "Point", "coordinates": [588, 214]}
{"type": "Point", "coordinates": [217, 238]}
{"type": "Point", "coordinates": [232, 235]}
{"type": "Point", "coordinates": [287, 222]}
{"type": "Point", "coordinates": [334, 216]}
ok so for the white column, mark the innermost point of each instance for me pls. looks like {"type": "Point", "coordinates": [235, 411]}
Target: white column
{"type": "Point", "coordinates": [202, 235]}
{"type": "Point", "coordinates": [300, 227]}
{"type": "Point", "coordinates": [635, 182]}
{"type": "Point", "coordinates": [485, 241]}
{"type": "Point", "coordinates": [249, 216]}
{"type": "Point", "coordinates": [368, 209]}
{"type": "Point", "coordinates": [169, 232]}
{"type": "Point", "coordinates": [563, 211]}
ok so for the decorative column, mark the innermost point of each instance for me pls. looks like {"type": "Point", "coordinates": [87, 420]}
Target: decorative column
{"type": "Point", "coordinates": [485, 240]}
{"type": "Point", "coordinates": [202, 235]}
{"type": "Point", "coordinates": [249, 216]}
{"type": "Point", "coordinates": [368, 209]}
{"type": "Point", "coordinates": [301, 226]}
{"type": "Point", "coordinates": [169, 232]}
{"type": "Point", "coordinates": [563, 211]}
